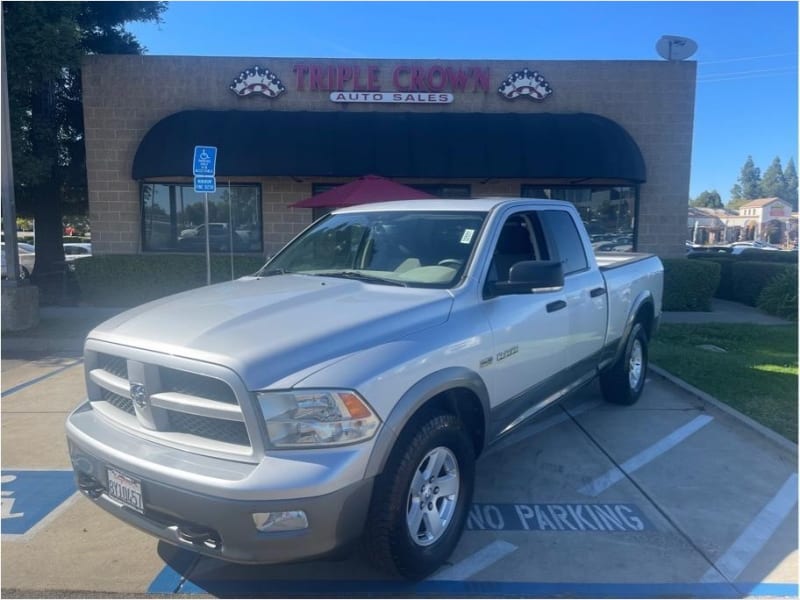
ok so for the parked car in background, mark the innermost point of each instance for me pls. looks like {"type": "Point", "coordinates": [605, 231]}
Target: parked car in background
{"type": "Point", "coordinates": [74, 251]}
{"type": "Point", "coordinates": [27, 259]}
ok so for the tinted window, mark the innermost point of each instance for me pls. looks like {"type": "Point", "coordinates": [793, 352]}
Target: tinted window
{"type": "Point", "coordinates": [173, 218]}
{"type": "Point", "coordinates": [564, 235]}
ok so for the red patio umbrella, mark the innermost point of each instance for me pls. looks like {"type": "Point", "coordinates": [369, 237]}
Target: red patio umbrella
{"type": "Point", "coordinates": [364, 190]}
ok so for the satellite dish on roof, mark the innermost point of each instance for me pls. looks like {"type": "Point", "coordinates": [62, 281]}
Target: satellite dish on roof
{"type": "Point", "coordinates": [675, 47]}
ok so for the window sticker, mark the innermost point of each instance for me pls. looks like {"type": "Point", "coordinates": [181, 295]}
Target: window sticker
{"type": "Point", "coordinates": [466, 238]}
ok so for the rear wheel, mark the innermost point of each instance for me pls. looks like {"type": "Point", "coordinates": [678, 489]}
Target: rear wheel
{"type": "Point", "coordinates": [421, 499]}
{"type": "Point", "coordinates": [624, 381]}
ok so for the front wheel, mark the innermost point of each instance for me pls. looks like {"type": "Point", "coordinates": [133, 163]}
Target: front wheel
{"type": "Point", "coordinates": [420, 501]}
{"type": "Point", "coordinates": [624, 381]}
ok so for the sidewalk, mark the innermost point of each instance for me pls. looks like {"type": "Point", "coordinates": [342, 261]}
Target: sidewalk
{"type": "Point", "coordinates": [724, 311]}
{"type": "Point", "coordinates": [60, 329]}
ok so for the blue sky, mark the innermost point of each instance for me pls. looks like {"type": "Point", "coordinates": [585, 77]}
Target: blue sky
{"type": "Point", "coordinates": [746, 102]}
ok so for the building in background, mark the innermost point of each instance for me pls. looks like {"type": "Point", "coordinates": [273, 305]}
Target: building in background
{"type": "Point", "coordinates": [612, 137]}
{"type": "Point", "coordinates": [767, 220]}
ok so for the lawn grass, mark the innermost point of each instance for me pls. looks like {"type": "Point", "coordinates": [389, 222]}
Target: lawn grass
{"type": "Point", "coordinates": [757, 375]}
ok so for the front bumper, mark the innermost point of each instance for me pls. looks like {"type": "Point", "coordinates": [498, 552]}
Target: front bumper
{"type": "Point", "coordinates": [203, 517]}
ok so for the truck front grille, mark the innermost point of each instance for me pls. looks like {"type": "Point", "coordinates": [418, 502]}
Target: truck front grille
{"type": "Point", "coordinates": [229, 432]}
{"type": "Point", "coordinates": [180, 407]}
{"type": "Point", "coordinates": [117, 401]}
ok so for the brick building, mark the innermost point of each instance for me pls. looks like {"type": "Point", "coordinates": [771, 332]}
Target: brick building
{"type": "Point", "coordinates": [614, 137]}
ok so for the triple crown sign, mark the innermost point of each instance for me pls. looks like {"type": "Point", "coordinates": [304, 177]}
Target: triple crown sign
{"type": "Point", "coordinates": [203, 167]}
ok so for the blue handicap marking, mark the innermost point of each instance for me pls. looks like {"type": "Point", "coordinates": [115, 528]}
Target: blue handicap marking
{"type": "Point", "coordinates": [29, 496]}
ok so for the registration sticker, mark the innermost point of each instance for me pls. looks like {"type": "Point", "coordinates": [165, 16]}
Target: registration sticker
{"type": "Point", "coordinates": [125, 489]}
{"type": "Point", "coordinates": [466, 238]}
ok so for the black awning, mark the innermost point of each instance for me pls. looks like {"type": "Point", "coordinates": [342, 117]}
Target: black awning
{"type": "Point", "coordinates": [430, 145]}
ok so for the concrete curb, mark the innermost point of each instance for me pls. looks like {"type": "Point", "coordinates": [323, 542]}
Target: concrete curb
{"type": "Point", "coordinates": [787, 445]}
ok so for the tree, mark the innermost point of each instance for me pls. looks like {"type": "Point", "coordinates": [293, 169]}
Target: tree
{"type": "Point", "coordinates": [748, 186]}
{"type": "Point", "coordinates": [44, 45]}
{"type": "Point", "coordinates": [790, 176]}
{"type": "Point", "coordinates": [708, 199]}
{"type": "Point", "coordinates": [773, 184]}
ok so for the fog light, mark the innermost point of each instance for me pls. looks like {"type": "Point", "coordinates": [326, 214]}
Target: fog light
{"type": "Point", "coordinates": [289, 520]}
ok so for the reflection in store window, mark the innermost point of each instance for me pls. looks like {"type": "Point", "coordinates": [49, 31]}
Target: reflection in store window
{"type": "Point", "coordinates": [607, 212]}
{"type": "Point", "coordinates": [173, 218]}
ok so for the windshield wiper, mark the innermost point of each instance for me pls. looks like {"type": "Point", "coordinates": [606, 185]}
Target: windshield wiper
{"type": "Point", "coordinates": [363, 277]}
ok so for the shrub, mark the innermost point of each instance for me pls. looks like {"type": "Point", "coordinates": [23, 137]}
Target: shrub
{"type": "Point", "coordinates": [725, 287]}
{"type": "Point", "coordinates": [750, 278]}
{"type": "Point", "coordinates": [779, 296]}
{"type": "Point", "coordinates": [689, 284]}
{"type": "Point", "coordinates": [755, 254]}
{"type": "Point", "coordinates": [131, 279]}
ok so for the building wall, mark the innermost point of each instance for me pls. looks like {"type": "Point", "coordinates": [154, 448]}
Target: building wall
{"type": "Point", "coordinates": [124, 96]}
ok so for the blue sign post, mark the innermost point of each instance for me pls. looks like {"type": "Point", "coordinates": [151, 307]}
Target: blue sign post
{"type": "Point", "coordinates": [204, 165]}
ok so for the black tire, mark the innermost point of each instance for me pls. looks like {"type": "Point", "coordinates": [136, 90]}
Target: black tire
{"type": "Point", "coordinates": [388, 538]}
{"type": "Point", "coordinates": [24, 273]}
{"type": "Point", "coordinates": [624, 381]}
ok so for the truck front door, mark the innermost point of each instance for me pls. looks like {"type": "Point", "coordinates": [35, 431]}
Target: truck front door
{"type": "Point", "coordinates": [530, 331]}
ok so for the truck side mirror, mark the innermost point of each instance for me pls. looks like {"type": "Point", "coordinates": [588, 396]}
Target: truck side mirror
{"type": "Point", "coordinates": [530, 277]}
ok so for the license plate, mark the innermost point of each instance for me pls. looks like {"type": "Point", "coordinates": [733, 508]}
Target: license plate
{"type": "Point", "coordinates": [125, 489]}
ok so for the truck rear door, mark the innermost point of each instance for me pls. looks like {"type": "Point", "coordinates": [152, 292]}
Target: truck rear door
{"type": "Point", "coordinates": [584, 289]}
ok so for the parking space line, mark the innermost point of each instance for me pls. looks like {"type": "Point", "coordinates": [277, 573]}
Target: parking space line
{"type": "Point", "coordinates": [615, 474]}
{"type": "Point", "coordinates": [533, 429]}
{"type": "Point", "coordinates": [475, 563]}
{"type": "Point", "coordinates": [756, 534]}
{"type": "Point", "coordinates": [35, 380]}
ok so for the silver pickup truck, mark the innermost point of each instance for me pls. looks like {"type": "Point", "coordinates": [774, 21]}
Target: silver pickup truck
{"type": "Point", "coordinates": [343, 393]}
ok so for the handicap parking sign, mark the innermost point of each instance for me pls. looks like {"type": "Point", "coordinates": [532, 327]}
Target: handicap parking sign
{"type": "Point", "coordinates": [29, 496]}
{"type": "Point", "coordinates": [205, 161]}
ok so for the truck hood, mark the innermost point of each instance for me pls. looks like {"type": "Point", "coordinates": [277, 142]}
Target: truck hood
{"type": "Point", "coordinates": [269, 329]}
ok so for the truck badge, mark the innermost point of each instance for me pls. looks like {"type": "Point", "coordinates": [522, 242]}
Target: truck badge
{"type": "Point", "coordinates": [139, 395]}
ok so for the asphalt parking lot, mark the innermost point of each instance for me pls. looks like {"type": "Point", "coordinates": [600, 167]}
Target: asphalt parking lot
{"type": "Point", "coordinates": [671, 497]}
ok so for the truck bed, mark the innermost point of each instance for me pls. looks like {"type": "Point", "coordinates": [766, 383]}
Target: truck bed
{"type": "Point", "coordinates": [611, 260]}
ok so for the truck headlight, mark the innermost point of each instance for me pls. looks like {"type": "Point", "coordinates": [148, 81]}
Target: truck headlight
{"type": "Point", "coordinates": [304, 418]}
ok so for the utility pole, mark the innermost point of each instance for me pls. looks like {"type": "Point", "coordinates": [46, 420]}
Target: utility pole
{"type": "Point", "coordinates": [9, 207]}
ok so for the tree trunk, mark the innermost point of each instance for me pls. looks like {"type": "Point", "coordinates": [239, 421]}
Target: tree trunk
{"type": "Point", "coordinates": [50, 272]}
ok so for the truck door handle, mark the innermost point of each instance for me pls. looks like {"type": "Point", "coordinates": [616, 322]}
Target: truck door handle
{"type": "Point", "coordinates": [597, 292]}
{"type": "Point", "coordinates": [557, 305]}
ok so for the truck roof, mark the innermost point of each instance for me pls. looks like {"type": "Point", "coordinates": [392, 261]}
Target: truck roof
{"type": "Point", "coordinates": [477, 205]}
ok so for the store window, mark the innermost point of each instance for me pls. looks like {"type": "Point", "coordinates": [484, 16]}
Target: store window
{"type": "Point", "coordinates": [608, 212]}
{"type": "Point", "coordinates": [173, 218]}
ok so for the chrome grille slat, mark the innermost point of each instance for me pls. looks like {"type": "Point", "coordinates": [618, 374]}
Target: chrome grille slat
{"type": "Point", "coordinates": [201, 407]}
{"type": "Point", "coordinates": [110, 382]}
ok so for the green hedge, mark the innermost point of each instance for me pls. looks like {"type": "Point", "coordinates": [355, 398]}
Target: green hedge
{"type": "Point", "coordinates": [131, 279]}
{"type": "Point", "coordinates": [779, 296]}
{"type": "Point", "coordinates": [750, 279]}
{"type": "Point", "coordinates": [755, 254]}
{"type": "Point", "coordinates": [725, 287]}
{"type": "Point", "coordinates": [689, 284]}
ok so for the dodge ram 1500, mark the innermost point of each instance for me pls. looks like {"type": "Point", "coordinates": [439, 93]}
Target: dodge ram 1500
{"type": "Point", "coordinates": [343, 392]}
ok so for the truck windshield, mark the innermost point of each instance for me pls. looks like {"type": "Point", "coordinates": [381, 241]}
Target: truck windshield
{"type": "Point", "coordinates": [411, 248]}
